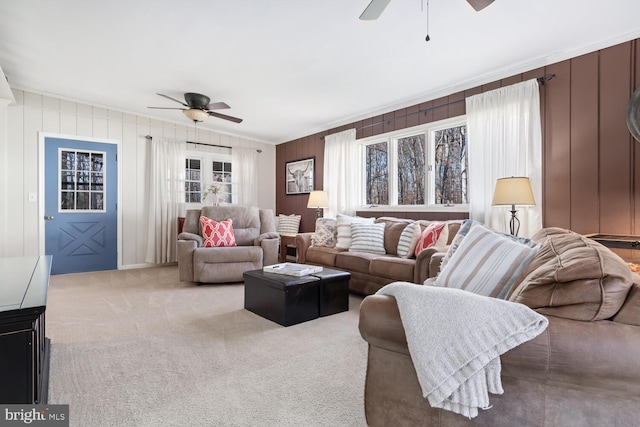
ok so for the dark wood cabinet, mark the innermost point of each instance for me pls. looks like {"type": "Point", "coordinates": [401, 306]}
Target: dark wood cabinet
{"type": "Point", "coordinates": [24, 347]}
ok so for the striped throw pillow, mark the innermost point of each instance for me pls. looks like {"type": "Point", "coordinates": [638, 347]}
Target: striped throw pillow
{"type": "Point", "coordinates": [486, 263]}
{"type": "Point", "coordinates": [408, 239]}
{"type": "Point", "coordinates": [464, 229]}
{"type": "Point", "coordinates": [344, 229]}
{"type": "Point", "coordinates": [288, 224]}
{"type": "Point", "coordinates": [367, 238]}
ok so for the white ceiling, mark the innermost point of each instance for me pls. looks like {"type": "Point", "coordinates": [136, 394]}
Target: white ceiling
{"type": "Point", "coordinates": [289, 68]}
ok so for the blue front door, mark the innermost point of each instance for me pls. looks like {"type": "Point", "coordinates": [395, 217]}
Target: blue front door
{"type": "Point", "coordinates": [80, 205]}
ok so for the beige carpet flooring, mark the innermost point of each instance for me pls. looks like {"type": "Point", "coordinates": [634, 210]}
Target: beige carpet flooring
{"type": "Point", "coordinates": [140, 348]}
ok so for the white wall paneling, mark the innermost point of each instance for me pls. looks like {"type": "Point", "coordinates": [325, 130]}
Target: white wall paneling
{"type": "Point", "coordinates": [20, 125]}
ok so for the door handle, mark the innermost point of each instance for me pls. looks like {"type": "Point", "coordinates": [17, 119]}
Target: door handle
{"type": "Point", "coordinates": [48, 217]}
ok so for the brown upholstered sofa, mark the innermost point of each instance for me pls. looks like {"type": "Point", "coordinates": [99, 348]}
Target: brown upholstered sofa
{"type": "Point", "coordinates": [584, 370]}
{"type": "Point", "coordinates": [370, 272]}
{"type": "Point", "coordinates": [256, 239]}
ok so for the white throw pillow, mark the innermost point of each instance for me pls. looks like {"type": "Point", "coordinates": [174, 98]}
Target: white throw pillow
{"type": "Point", "coordinates": [367, 238]}
{"type": "Point", "coordinates": [288, 224]}
{"type": "Point", "coordinates": [486, 263]}
{"type": "Point", "coordinates": [408, 239]}
{"type": "Point", "coordinates": [344, 229]}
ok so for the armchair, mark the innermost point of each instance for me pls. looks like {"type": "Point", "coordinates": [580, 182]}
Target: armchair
{"type": "Point", "coordinates": [256, 239]}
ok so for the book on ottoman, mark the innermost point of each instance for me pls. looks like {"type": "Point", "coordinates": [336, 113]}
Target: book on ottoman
{"type": "Point", "coordinates": [292, 269]}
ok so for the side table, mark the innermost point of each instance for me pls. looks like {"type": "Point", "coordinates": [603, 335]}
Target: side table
{"type": "Point", "coordinates": [286, 241]}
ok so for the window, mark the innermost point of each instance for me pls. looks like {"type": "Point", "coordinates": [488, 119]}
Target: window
{"type": "Point", "coordinates": [450, 171]}
{"type": "Point", "coordinates": [82, 178]}
{"type": "Point", "coordinates": [222, 176]}
{"type": "Point", "coordinates": [193, 183]}
{"type": "Point", "coordinates": [204, 172]}
{"type": "Point", "coordinates": [377, 178]}
{"type": "Point", "coordinates": [425, 165]}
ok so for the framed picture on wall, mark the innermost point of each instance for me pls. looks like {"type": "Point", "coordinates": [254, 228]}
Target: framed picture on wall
{"type": "Point", "coordinates": [300, 176]}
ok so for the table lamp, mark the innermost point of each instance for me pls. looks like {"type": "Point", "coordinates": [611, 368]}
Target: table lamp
{"type": "Point", "coordinates": [318, 199]}
{"type": "Point", "coordinates": [515, 190]}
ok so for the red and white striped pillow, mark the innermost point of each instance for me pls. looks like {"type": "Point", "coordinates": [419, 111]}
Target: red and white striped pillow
{"type": "Point", "coordinates": [217, 234]}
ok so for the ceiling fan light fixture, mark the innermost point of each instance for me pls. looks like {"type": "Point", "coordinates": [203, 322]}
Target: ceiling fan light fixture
{"type": "Point", "coordinates": [195, 114]}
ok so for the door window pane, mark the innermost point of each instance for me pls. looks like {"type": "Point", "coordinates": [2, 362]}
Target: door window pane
{"type": "Point", "coordinates": [81, 181]}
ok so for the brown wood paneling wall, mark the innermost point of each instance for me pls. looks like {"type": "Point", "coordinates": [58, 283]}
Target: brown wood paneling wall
{"type": "Point", "coordinates": [590, 182]}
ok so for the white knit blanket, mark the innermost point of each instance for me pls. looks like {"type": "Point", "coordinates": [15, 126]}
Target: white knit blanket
{"type": "Point", "coordinates": [455, 339]}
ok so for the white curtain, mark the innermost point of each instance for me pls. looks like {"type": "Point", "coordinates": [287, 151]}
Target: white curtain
{"type": "Point", "coordinates": [505, 139]}
{"type": "Point", "coordinates": [166, 198]}
{"type": "Point", "coordinates": [245, 178]}
{"type": "Point", "coordinates": [342, 173]}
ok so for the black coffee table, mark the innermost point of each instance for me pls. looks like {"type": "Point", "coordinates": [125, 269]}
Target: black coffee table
{"type": "Point", "coordinates": [289, 300]}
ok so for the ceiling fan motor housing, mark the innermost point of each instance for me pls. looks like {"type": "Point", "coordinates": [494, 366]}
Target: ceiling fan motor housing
{"type": "Point", "coordinates": [196, 100]}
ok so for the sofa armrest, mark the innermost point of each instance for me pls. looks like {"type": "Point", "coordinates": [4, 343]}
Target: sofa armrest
{"type": "Point", "coordinates": [191, 236]}
{"type": "Point", "coordinates": [185, 250]}
{"type": "Point", "coordinates": [303, 242]}
{"type": "Point", "coordinates": [422, 270]}
{"type": "Point", "coordinates": [436, 262]}
{"type": "Point", "coordinates": [270, 243]}
{"type": "Point", "coordinates": [380, 323]}
{"type": "Point", "coordinates": [269, 235]}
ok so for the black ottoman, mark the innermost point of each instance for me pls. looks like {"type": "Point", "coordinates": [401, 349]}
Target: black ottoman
{"type": "Point", "coordinates": [334, 291]}
{"type": "Point", "coordinates": [286, 300]}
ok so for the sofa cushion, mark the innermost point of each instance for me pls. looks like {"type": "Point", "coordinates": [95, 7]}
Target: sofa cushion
{"type": "Point", "coordinates": [326, 233]}
{"type": "Point", "coordinates": [288, 224]}
{"type": "Point", "coordinates": [355, 261]}
{"type": "Point", "coordinates": [367, 238]}
{"type": "Point", "coordinates": [408, 240]}
{"type": "Point", "coordinates": [486, 263]}
{"type": "Point", "coordinates": [392, 230]}
{"type": "Point", "coordinates": [344, 229]}
{"type": "Point", "coordinates": [630, 311]}
{"type": "Point", "coordinates": [392, 267]}
{"type": "Point", "coordinates": [246, 221]}
{"type": "Point", "coordinates": [573, 277]}
{"type": "Point", "coordinates": [321, 256]}
{"type": "Point", "coordinates": [217, 234]}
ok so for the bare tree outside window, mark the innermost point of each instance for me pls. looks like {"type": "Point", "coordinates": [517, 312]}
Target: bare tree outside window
{"type": "Point", "coordinates": [377, 170]}
{"type": "Point", "coordinates": [425, 167]}
{"type": "Point", "coordinates": [411, 173]}
{"type": "Point", "coordinates": [451, 166]}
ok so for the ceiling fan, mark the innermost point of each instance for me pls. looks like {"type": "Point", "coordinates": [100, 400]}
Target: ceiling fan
{"type": "Point", "coordinates": [198, 107]}
{"type": "Point", "coordinates": [376, 7]}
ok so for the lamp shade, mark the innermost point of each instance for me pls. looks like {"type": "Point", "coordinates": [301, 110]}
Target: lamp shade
{"type": "Point", "coordinates": [515, 190]}
{"type": "Point", "coordinates": [318, 199]}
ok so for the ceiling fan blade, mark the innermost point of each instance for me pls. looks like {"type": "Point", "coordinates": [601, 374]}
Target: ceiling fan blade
{"type": "Point", "coordinates": [216, 106]}
{"type": "Point", "coordinates": [166, 108]}
{"type": "Point", "coordinates": [173, 99]}
{"type": "Point", "coordinates": [373, 11]}
{"type": "Point", "coordinates": [225, 117]}
{"type": "Point", "coordinates": [478, 5]}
